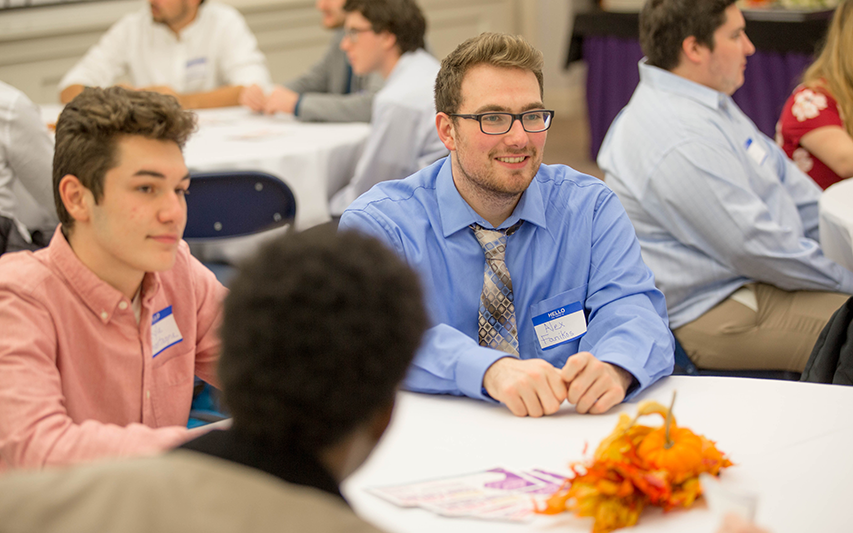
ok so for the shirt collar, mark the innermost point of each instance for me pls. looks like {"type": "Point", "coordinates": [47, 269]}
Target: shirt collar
{"type": "Point", "coordinates": [668, 82]}
{"type": "Point", "coordinates": [289, 463]}
{"type": "Point", "coordinates": [456, 214]}
{"type": "Point", "coordinates": [400, 66]}
{"type": "Point", "coordinates": [195, 23]}
{"type": "Point", "coordinates": [99, 296]}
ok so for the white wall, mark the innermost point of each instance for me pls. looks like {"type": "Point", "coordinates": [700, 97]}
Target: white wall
{"type": "Point", "coordinates": [38, 46]}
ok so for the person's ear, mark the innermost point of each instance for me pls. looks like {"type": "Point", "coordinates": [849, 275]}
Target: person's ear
{"type": "Point", "coordinates": [693, 51]}
{"type": "Point", "coordinates": [388, 39]}
{"type": "Point", "coordinates": [74, 197]}
{"type": "Point", "coordinates": [380, 421]}
{"type": "Point", "coordinates": [446, 130]}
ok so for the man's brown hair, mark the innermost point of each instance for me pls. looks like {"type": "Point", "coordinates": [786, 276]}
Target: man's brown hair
{"type": "Point", "coordinates": [664, 24]}
{"type": "Point", "coordinates": [402, 18]}
{"type": "Point", "coordinates": [91, 125]}
{"type": "Point", "coordinates": [495, 49]}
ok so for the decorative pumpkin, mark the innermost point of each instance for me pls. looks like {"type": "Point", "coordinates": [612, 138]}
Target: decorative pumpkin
{"type": "Point", "coordinates": [636, 466]}
{"type": "Point", "coordinates": [674, 449]}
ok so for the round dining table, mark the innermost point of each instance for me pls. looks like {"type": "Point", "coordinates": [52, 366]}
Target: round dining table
{"type": "Point", "coordinates": [790, 443]}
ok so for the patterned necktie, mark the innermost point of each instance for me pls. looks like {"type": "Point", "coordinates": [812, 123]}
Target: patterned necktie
{"type": "Point", "coordinates": [497, 327]}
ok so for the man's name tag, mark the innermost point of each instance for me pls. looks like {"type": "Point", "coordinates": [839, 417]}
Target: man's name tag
{"type": "Point", "coordinates": [755, 151]}
{"type": "Point", "coordinates": [197, 68]}
{"type": "Point", "coordinates": [560, 326]}
{"type": "Point", "coordinates": [164, 331]}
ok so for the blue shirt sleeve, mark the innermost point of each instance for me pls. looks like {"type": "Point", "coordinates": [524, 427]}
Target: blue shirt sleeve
{"type": "Point", "coordinates": [627, 320]}
{"type": "Point", "coordinates": [448, 362]}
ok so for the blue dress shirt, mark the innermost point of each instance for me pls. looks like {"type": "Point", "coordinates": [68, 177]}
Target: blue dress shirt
{"type": "Point", "coordinates": [576, 245]}
{"type": "Point", "coordinates": [715, 203]}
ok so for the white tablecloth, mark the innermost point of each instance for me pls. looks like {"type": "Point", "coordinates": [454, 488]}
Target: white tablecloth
{"type": "Point", "coordinates": [791, 443]}
{"type": "Point", "coordinates": [836, 223]}
{"type": "Point", "coordinates": [314, 159]}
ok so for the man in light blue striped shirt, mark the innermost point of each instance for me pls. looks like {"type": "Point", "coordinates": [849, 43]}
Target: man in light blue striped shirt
{"type": "Point", "coordinates": [726, 222]}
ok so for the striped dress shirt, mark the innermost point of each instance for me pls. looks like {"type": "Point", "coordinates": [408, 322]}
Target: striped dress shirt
{"type": "Point", "coordinates": [715, 203]}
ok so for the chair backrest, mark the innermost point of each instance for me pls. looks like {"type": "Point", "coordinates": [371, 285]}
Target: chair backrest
{"type": "Point", "coordinates": [231, 204]}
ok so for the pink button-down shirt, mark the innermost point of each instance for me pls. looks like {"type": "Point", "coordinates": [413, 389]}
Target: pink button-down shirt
{"type": "Point", "coordinates": [78, 380]}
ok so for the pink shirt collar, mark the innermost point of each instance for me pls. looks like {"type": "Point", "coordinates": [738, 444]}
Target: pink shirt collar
{"type": "Point", "coordinates": [100, 297]}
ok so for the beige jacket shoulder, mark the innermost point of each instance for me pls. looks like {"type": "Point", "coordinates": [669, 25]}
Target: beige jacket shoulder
{"type": "Point", "coordinates": [179, 492]}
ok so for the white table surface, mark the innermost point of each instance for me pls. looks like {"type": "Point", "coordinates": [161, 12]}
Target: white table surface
{"type": "Point", "coordinates": [314, 159]}
{"type": "Point", "coordinates": [792, 444]}
{"type": "Point", "coordinates": [836, 224]}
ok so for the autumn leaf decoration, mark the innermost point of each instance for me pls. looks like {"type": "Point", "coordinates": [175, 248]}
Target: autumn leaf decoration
{"type": "Point", "coordinates": [636, 466]}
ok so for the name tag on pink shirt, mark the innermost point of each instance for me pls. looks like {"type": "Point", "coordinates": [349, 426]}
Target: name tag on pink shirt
{"type": "Point", "coordinates": [164, 331]}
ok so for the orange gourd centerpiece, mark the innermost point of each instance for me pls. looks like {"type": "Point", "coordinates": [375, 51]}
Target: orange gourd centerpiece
{"type": "Point", "coordinates": [636, 466]}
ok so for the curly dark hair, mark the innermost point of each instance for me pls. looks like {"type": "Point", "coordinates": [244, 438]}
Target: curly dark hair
{"type": "Point", "coordinates": [91, 124]}
{"type": "Point", "coordinates": [402, 18]}
{"type": "Point", "coordinates": [318, 332]}
{"type": "Point", "coordinates": [664, 24]}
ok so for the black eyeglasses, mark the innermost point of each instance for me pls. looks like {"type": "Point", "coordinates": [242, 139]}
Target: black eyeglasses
{"type": "Point", "coordinates": [500, 123]}
{"type": "Point", "coordinates": [352, 33]}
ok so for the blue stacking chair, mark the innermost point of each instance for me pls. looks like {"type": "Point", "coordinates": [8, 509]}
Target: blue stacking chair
{"type": "Point", "coordinates": [231, 204]}
{"type": "Point", "coordinates": [235, 204]}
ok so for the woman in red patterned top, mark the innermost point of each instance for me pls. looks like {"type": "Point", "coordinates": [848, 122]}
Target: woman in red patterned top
{"type": "Point", "coordinates": [813, 130]}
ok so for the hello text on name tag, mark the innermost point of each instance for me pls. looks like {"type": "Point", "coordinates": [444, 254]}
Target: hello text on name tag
{"type": "Point", "coordinates": [560, 326]}
{"type": "Point", "coordinates": [164, 331]}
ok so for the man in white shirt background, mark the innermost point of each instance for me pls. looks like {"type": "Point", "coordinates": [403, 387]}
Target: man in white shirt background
{"type": "Point", "coordinates": [387, 36]}
{"type": "Point", "coordinates": [202, 53]}
{"type": "Point", "coordinates": [330, 91]}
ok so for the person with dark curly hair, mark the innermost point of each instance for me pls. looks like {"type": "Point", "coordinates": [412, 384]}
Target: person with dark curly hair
{"type": "Point", "coordinates": [318, 331]}
{"type": "Point", "coordinates": [105, 329]}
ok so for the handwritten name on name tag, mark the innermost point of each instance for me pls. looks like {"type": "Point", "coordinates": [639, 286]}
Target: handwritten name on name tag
{"type": "Point", "coordinates": [560, 326]}
{"type": "Point", "coordinates": [164, 331]}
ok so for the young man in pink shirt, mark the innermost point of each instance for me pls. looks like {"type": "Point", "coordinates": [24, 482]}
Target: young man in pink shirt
{"type": "Point", "coordinates": [103, 330]}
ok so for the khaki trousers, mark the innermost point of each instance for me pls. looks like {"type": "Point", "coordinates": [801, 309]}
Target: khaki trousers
{"type": "Point", "coordinates": [780, 335]}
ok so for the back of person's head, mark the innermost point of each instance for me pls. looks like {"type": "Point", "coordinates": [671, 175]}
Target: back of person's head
{"type": "Point", "coordinates": [91, 125]}
{"type": "Point", "coordinates": [833, 68]}
{"type": "Point", "coordinates": [496, 49]}
{"type": "Point", "coordinates": [664, 24]}
{"type": "Point", "coordinates": [318, 332]}
{"type": "Point", "coordinates": [401, 18]}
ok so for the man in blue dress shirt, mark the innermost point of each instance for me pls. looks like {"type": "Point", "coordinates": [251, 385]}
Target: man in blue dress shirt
{"type": "Point", "coordinates": [727, 222]}
{"type": "Point", "coordinates": [564, 308]}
